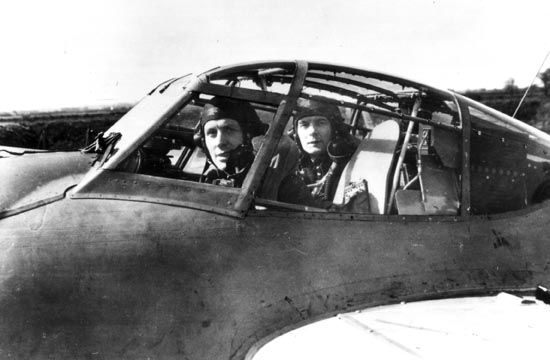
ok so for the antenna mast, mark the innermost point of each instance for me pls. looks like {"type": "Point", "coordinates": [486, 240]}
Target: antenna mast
{"type": "Point", "coordinates": [532, 81]}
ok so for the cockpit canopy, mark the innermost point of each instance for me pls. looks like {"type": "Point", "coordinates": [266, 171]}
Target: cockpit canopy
{"type": "Point", "coordinates": [422, 151]}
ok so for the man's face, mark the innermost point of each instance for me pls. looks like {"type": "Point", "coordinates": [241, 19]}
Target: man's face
{"type": "Point", "coordinates": [314, 133]}
{"type": "Point", "coordinates": [221, 137]}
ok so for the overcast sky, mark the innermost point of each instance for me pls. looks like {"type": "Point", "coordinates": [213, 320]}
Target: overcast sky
{"type": "Point", "coordinates": [76, 53]}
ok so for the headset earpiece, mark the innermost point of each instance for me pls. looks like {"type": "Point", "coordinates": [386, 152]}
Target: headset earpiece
{"type": "Point", "coordinates": [198, 136]}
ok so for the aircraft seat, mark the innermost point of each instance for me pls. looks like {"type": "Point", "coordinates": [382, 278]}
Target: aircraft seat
{"type": "Point", "coordinates": [370, 167]}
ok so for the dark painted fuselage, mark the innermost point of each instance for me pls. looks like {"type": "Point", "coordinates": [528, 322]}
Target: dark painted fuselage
{"type": "Point", "coordinates": [123, 279]}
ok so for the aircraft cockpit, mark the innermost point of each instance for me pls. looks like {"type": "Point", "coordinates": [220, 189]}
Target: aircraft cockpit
{"type": "Point", "coordinates": [420, 151]}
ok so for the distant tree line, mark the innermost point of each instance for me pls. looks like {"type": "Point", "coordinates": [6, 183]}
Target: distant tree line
{"type": "Point", "coordinates": [545, 78]}
{"type": "Point", "coordinates": [63, 129]}
{"type": "Point", "coordinates": [535, 109]}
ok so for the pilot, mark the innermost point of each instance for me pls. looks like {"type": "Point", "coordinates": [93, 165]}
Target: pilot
{"type": "Point", "coordinates": [225, 133]}
{"type": "Point", "coordinates": [325, 146]}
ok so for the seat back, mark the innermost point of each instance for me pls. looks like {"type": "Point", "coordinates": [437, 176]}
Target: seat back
{"type": "Point", "coordinates": [372, 162]}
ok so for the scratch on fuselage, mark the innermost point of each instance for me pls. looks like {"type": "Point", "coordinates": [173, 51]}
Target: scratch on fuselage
{"type": "Point", "coordinates": [360, 325]}
{"type": "Point", "coordinates": [499, 239]}
{"type": "Point", "coordinates": [37, 221]}
{"type": "Point", "coordinates": [291, 303]}
{"type": "Point", "coordinates": [292, 245]}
